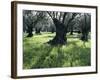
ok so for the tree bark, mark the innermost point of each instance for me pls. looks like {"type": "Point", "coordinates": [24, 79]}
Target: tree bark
{"type": "Point", "coordinates": [60, 37]}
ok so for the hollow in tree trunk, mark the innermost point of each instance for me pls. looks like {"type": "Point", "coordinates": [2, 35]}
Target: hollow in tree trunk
{"type": "Point", "coordinates": [60, 37]}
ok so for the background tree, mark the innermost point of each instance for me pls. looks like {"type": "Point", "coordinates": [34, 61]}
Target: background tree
{"type": "Point", "coordinates": [86, 27]}
{"type": "Point", "coordinates": [84, 22]}
{"type": "Point", "coordinates": [30, 19]}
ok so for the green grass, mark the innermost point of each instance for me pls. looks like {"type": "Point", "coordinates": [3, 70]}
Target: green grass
{"type": "Point", "coordinates": [39, 54]}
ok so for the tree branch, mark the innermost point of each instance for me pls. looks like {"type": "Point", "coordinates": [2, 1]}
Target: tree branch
{"type": "Point", "coordinates": [60, 16]}
{"type": "Point", "coordinates": [56, 14]}
{"type": "Point", "coordinates": [64, 17]}
{"type": "Point", "coordinates": [49, 14]}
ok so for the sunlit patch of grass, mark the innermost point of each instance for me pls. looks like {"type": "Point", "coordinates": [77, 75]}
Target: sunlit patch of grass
{"type": "Point", "coordinates": [38, 54]}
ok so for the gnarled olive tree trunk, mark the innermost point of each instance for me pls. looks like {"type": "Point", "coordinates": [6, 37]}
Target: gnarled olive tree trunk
{"type": "Point", "coordinates": [61, 23]}
{"type": "Point", "coordinates": [60, 37]}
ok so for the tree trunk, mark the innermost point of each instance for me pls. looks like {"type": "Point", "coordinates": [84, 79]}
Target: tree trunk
{"type": "Point", "coordinates": [30, 34]}
{"type": "Point", "coordinates": [71, 32]}
{"type": "Point", "coordinates": [86, 28]}
{"type": "Point", "coordinates": [52, 30]}
{"type": "Point", "coordinates": [84, 37]}
{"type": "Point", "coordinates": [60, 37]}
{"type": "Point", "coordinates": [37, 31]}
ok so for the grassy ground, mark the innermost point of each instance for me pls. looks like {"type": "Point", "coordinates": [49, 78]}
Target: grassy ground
{"type": "Point", "coordinates": [38, 54]}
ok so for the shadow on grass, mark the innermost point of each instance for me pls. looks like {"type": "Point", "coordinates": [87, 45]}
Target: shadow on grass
{"type": "Point", "coordinates": [45, 51]}
{"type": "Point", "coordinates": [76, 55]}
{"type": "Point", "coordinates": [55, 58]}
{"type": "Point", "coordinates": [46, 56]}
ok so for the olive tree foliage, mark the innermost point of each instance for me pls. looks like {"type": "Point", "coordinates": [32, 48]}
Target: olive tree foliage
{"type": "Point", "coordinates": [45, 24]}
{"type": "Point", "coordinates": [33, 21]}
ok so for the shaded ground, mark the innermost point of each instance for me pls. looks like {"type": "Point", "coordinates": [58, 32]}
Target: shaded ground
{"type": "Point", "coordinates": [37, 54]}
